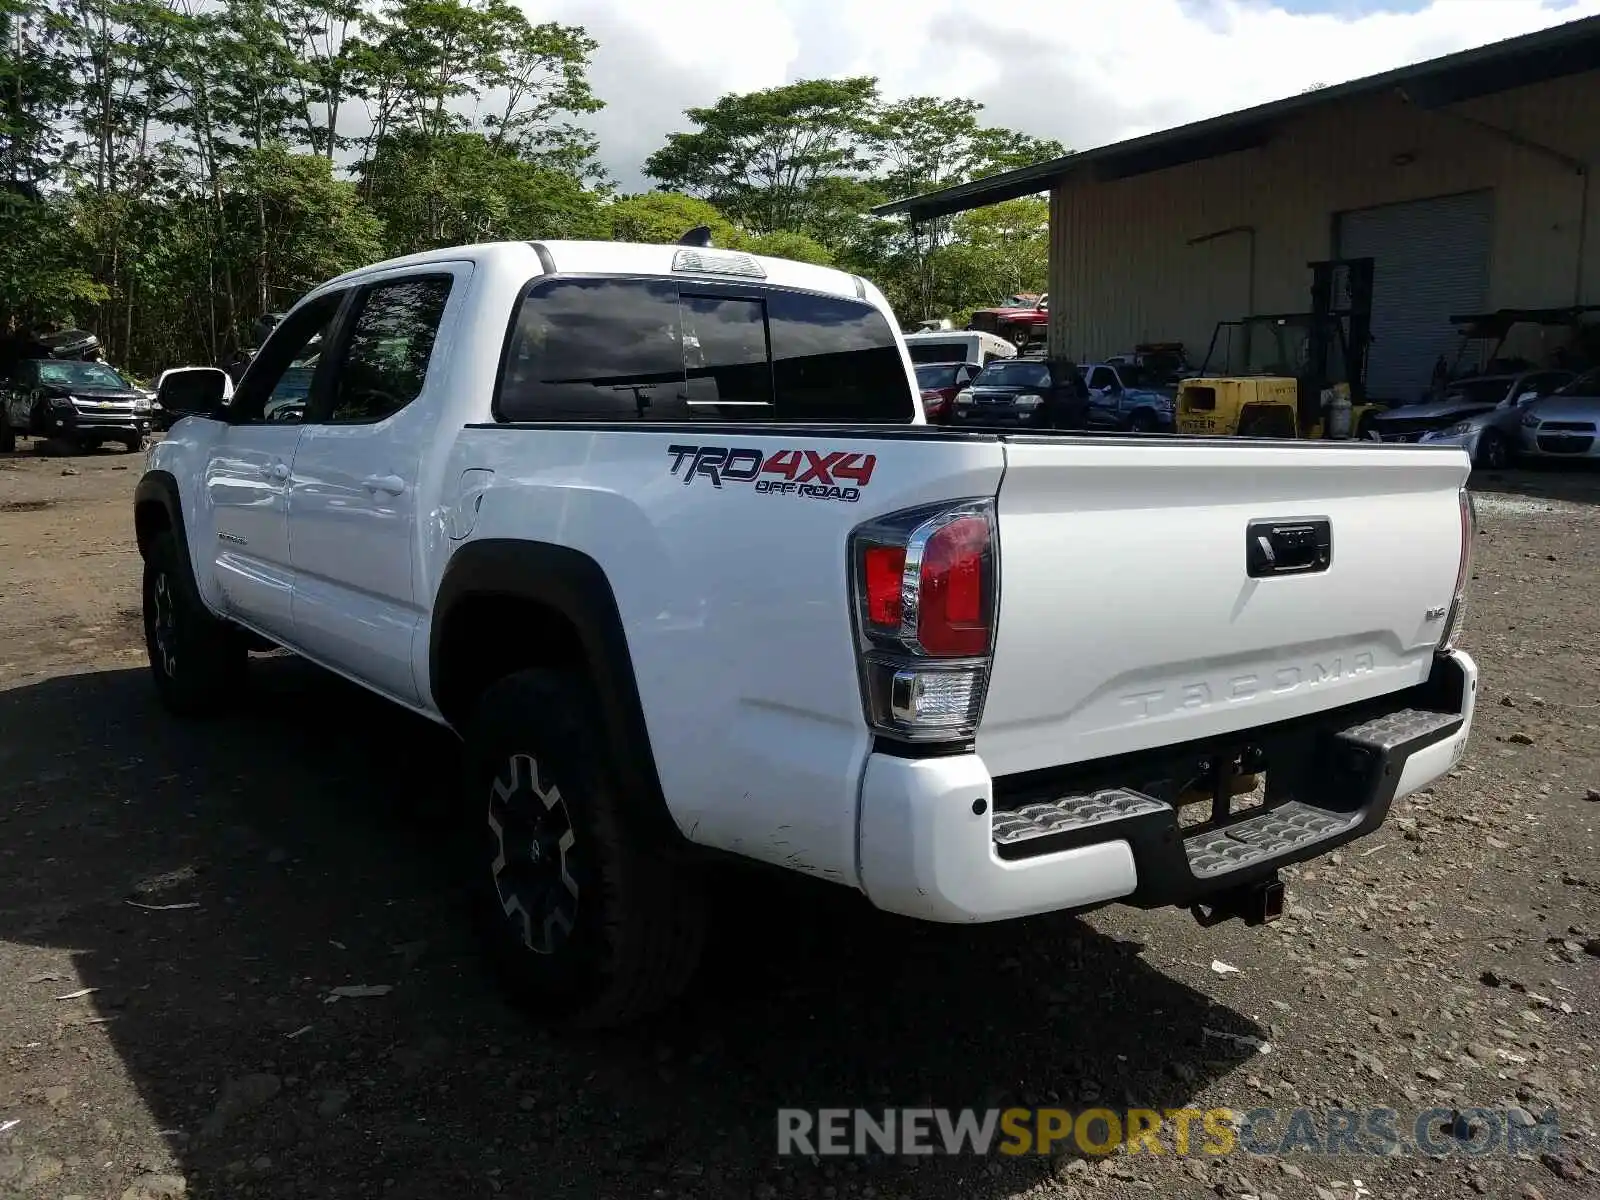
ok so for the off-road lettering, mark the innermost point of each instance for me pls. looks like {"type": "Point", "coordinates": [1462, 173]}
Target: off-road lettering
{"type": "Point", "coordinates": [818, 475]}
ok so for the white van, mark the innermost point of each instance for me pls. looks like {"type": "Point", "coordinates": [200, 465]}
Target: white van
{"type": "Point", "coordinates": [958, 345]}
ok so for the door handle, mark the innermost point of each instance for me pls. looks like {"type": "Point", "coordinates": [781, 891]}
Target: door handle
{"type": "Point", "coordinates": [1288, 547]}
{"type": "Point", "coordinates": [391, 484]}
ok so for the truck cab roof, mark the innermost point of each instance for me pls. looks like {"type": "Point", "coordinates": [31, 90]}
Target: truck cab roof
{"type": "Point", "coordinates": [632, 258]}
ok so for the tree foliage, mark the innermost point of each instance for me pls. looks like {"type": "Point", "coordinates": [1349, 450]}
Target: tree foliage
{"type": "Point", "coordinates": [171, 169]}
{"type": "Point", "coordinates": [813, 157]}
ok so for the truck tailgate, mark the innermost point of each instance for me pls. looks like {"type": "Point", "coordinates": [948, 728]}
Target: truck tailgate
{"type": "Point", "coordinates": [1129, 618]}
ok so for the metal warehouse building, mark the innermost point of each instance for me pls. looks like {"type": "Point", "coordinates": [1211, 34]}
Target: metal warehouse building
{"type": "Point", "coordinates": [1468, 179]}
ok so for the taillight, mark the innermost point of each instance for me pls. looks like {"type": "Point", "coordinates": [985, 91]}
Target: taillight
{"type": "Point", "coordinates": [926, 591]}
{"type": "Point", "coordinates": [1456, 621]}
{"type": "Point", "coordinates": [936, 401]}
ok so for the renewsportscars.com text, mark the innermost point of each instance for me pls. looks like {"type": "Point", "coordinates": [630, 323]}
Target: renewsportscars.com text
{"type": "Point", "coordinates": [1182, 1131]}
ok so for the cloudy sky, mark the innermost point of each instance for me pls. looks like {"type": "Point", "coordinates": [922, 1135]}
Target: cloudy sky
{"type": "Point", "coordinates": [1087, 72]}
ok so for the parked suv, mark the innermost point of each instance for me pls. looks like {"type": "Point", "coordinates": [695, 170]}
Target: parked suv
{"type": "Point", "coordinates": [1038, 393]}
{"type": "Point", "coordinates": [663, 534]}
{"type": "Point", "coordinates": [80, 403]}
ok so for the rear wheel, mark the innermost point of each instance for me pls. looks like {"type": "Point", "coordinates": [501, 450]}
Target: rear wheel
{"type": "Point", "coordinates": [582, 917]}
{"type": "Point", "coordinates": [197, 661]}
{"type": "Point", "coordinates": [1494, 451]}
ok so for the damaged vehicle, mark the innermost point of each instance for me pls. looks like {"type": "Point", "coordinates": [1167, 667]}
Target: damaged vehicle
{"type": "Point", "coordinates": [79, 403]}
{"type": "Point", "coordinates": [1478, 414]}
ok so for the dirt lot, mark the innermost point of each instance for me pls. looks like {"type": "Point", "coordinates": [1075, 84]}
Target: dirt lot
{"type": "Point", "coordinates": [177, 902]}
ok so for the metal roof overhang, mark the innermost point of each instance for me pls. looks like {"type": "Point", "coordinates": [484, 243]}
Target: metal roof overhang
{"type": "Point", "coordinates": [1568, 49]}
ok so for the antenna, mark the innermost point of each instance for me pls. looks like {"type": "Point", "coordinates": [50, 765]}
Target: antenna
{"type": "Point", "coordinates": [700, 235]}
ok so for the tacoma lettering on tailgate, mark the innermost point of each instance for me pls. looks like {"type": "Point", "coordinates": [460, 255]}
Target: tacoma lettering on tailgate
{"type": "Point", "coordinates": [815, 474]}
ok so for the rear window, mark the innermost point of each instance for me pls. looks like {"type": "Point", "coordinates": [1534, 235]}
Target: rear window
{"type": "Point", "coordinates": [938, 352]}
{"type": "Point", "coordinates": [937, 375]}
{"type": "Point", "coordinates": [665, 350]}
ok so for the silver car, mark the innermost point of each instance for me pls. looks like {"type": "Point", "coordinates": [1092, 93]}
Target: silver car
{"type": "Point", "coordinates": [1481, 415]}
{"type": "Point", "coordinates": [1565, 424]}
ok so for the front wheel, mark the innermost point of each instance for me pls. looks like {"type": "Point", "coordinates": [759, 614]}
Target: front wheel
{"type": "Point", "coordinates": [1142, 421]}
{"type": "Point", "coordinates": [1494, 451]}
{"type": "Point", "coordinates": [197, 661]}
{"type": "Point", "coordinates": [582, 916]}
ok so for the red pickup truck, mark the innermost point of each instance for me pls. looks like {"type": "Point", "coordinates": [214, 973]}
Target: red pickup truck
{"type": "Point", "coordinates": [1020, 322]}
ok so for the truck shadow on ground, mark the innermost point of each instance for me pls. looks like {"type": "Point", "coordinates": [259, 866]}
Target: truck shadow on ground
{"type": "Point", "coordinates": [1570, 483]}
{"type": "Point", "coordinates": [278, 857]}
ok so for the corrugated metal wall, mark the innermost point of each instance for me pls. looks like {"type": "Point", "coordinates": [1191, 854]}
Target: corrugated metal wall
{"type": "Point", "coordinates": [1147, 258]}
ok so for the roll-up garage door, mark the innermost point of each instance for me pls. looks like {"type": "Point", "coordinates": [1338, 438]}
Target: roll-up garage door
{"type": "Point", "coordinates": [1431, 261]}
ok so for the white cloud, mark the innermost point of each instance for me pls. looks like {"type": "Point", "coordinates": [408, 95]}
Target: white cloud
{"type": "Point", "coordinates": [1087, 72]}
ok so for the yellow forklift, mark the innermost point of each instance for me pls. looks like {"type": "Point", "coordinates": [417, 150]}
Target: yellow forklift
{"type": "Point", "coordinates": [1289, 375]}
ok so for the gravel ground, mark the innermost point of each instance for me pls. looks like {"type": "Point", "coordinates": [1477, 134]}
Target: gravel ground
{"type": "Point", "coordinates": [177, 903]}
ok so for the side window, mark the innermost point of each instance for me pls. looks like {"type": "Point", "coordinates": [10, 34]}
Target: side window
{"type": "Point", "coordinates": [386, 356]}
{"type": "Point", "coordinates": [594, 350]}
{"type": "Point", "coordinates": [1100, 378]}
{"type": "Point", "coordinates": [276, 387]}
{"type": "Point", "coordinates": [835, 360]}
{"type": "Point", "coordinates": [725, 353]}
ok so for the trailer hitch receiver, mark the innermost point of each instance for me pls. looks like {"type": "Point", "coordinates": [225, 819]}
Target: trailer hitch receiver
{"type": "Point", "coordinates": [1256, 903]}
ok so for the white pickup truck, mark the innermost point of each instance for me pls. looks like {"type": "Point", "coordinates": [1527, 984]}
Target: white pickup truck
{"type": "Point", "coordinates": [661, 533]}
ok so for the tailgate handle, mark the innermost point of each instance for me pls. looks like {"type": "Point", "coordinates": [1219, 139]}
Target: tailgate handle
{"type": "Point", "coordinates": [1301, 547]}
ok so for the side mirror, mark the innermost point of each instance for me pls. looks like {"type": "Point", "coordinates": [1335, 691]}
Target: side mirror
{"type": "Point", "coordinates": [194, 391]}
{"type": "Point", "coordinates": [1526, 398]}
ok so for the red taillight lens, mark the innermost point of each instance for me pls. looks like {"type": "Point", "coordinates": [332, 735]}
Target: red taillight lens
{"type": "Point", "coordinates": [925, 585]}
{"type": "Point", "coordinates": [936, 401]}
{"type": "Point", "coordinates": [951, 620]}
{"type": "Point", "coordinates": [883, 568]}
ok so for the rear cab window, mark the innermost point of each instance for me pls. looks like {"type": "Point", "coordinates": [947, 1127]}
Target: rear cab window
{"type": "Point", "coordinates": [655, 349]}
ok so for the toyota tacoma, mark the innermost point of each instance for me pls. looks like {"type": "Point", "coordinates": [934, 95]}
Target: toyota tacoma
{"type": "Point", "coordinates": [662, 534]}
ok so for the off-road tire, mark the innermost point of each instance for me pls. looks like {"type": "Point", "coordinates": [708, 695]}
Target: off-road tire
{"type": "Point", "coordinates": [197, 661]}
{"type": "Point", "coordinates": [632, 924]}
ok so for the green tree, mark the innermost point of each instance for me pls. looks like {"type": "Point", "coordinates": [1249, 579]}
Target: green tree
{"type": "Point", "coordinates": [994, 252]}
{"type": "Point", "coordinates": [769, 159]}
{"type": "Point", "coordinates": [42, 272]}
{"type": "Point", "coordinates": [921, 144]}
{"type": "Point", "coordinates": [430, 64]}
{"type": "Point", "coordinates": [664, 217]}
{"type": "Point", "coordinates": [786, 243]}
{"type": "Point", "coordinates": [322, 36]}
{"type": "Point", "coordinates": [36, 89]}
{"type": "Point", "coordinates": [461, 187]}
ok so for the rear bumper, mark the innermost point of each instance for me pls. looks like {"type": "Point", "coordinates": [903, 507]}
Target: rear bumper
{"type": "Point", "coordinates": [942, 840]}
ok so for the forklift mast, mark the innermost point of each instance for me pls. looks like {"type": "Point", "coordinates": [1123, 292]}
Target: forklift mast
{"type": "Point", "coordinates": [1341, 308]}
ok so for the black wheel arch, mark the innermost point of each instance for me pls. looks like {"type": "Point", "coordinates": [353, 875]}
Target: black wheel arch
{"type": "Point", "coordinates": [157, 509]}
{"type": "Point", "coordinates": [515, 575]}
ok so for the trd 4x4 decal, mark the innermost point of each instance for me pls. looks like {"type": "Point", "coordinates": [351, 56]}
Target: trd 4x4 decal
{"type": "Point", "coordinates": [819, 475]}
